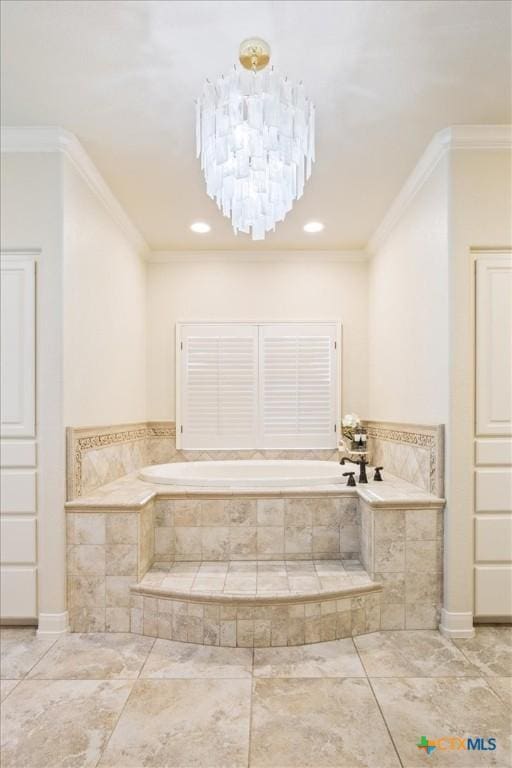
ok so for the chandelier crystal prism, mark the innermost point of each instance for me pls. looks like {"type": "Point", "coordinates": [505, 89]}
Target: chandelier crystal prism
{"type": "Point", "coordinates": [255, 135]}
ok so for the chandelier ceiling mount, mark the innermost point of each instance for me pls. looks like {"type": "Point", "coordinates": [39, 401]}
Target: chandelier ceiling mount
{"type": "Point", "coordinates": [254, 54]}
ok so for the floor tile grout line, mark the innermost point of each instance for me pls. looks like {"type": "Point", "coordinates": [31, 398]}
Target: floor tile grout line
{"type": "Point", "coordinates": [102, 679]}
{"type": "Point", "coordinates": [379, 707]}
{"type": "Point", "coordinates": [385, 723]}
{"type": "Point", "coordinates": [468, 659]}
{"type": "Point", "coordinates": [57, 640]}
{"type": "Point", "coordinates": [242, 677]}
{"type": "Point", "coordinates": [310, 677]}
{"type": "Point", "coordinates": [426, 677]}
{"type": "Point", "coordinates": [150, 651]}
{"type": "Point", "coordinates": [359, 657]}
{"type": "Point", "coordinates": [498, 695]}
{"type": "Point", "coordinates": [461, 649]}
{"type": "Point", "coordinates": [133, 683]}
{"type": "Point", "coordinates": [255, 677]}
{"type": "Point", "coordinates": [12, 689]}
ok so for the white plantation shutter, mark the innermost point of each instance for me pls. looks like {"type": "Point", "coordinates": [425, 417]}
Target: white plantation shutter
{"type": "Point", "coordinates": [219, 386]}
{"type": "Point", "coordinates": [258, 385]}
{"type": "Point", "coordinates": [298, 385]}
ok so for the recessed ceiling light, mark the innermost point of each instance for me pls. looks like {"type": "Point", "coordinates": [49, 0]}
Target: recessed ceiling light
{"type": "Point", "coordinates": [200, 227]}
{"type": "Point", "coordinates": [313, 226]}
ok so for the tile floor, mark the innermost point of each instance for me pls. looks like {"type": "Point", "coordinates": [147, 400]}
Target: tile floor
{"type": "Point", "coordinates": [125, 701]}
{"type": "Point", "coordinates": [251, 577]}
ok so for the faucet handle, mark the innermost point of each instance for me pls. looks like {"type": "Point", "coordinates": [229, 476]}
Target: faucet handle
{"type": "Point", "coordinates": [377, 475]}
{"type": "Point", "coordinates": [351, 480]}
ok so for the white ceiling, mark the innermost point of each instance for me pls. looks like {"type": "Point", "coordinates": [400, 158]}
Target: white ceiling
{"type": "Point", "coordinates": [385, 76]}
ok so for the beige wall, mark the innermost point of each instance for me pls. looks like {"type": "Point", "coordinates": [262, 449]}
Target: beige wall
{"type": "Point", "coordinates": [408, 311]}
{"type": "Point", "coordinates": [480, 217]}
{"type": "Point", "coordinates": [407, 319]}
{"type": "Point", "coordinates": [421, 330]}
{"type": "Point", "coordinates": [91, 338]}
{"type": "Point", "coordinates": [104, 313]}
{"type": "Point", "coordinates": [296, 289]}
{"type": "Point", "coordinates": [32, 219]}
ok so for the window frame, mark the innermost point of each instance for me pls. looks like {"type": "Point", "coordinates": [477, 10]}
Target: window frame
{"type": "Point", "coordinates": [259, 322]}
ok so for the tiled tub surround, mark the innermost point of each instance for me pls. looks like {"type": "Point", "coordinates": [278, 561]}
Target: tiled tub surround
{"type": "Point", "coordinates": [256, 603]}
{"type": "Point", "coordinates": [414, 452]}
{"type": "Point", "coordinates": [99, 455]}
{"type": "Point", "coordinates": [396, 526]}
{"type": "Point", "coordinates": [402, 550]}
{"type": "Point", "coordinates": [107, 553]}
{"type": "Point", "coordinates": [259, 623]}
{"type": "Point", "coordinates": [256, 529]}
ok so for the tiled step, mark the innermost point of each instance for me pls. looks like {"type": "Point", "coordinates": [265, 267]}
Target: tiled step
{"type": "Point", "coordinates": [249, 603]}
{"type": "Point", "coordinates": [256, 581]}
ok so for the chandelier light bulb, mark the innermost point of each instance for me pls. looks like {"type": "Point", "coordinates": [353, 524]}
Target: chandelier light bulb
{"type": "Point", "coordinates": [255, 135]}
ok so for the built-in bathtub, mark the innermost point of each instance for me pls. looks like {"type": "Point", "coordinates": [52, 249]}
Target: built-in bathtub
{"type": "Point", "coordinates": [254, 567]}
{"type": "Point", "coordinates": [245, 473]}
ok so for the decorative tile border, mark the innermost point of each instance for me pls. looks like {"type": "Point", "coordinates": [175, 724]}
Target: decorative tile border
{"type": "Point", "coordinates": [414, 452]}
{"type": "Point", "coordinates": [98, 455]}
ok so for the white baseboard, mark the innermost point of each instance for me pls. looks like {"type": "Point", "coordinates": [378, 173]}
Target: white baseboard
{"type": "Point", "coordinates": [53, 623]}
{"type": "Point", "coordinates": [457, 624]}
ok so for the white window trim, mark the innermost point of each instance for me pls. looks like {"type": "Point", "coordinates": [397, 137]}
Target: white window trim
{"type": "Point", "coordinates": [260, 321]}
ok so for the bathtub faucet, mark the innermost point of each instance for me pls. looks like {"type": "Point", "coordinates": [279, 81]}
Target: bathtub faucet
{"type": "Point", "coordinates": [362, 463]}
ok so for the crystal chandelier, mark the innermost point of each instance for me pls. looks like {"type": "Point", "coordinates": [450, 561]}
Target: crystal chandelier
{"type": "Point", "coordinates": [255, 134]}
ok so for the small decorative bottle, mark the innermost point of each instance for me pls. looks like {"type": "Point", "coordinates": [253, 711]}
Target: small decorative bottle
{"type": "Point", "coordinates": [359, 440]}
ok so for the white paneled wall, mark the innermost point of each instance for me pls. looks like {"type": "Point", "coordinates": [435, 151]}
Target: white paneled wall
{"type": "Point", "coordinates": [493, 436]}
{"type": "Point", "coordinates": [18, 481]}
{"type": "Point", "coordinates": [17, 346]}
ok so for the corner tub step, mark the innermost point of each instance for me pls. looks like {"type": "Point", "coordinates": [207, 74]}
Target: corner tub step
{"type": "Point", "coordinates": [249, 604]}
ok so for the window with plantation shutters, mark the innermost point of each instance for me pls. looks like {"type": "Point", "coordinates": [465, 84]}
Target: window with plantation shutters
{"type": "Point", "coordinates": [219, 386]}
{"type": "Point", "coordinates": [297, 385]}
{"type": "Point", "coordinates": [257, 385]}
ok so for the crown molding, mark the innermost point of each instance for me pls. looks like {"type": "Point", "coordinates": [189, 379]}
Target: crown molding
{"type": "Point", "coordinates": [458, 137]}
{"type": "Point", "coordinates": [479, 136]}
{"type": "Point", "coordinates": [309, 256]}
{"type": "Point", "coordinates": [25, 139]}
